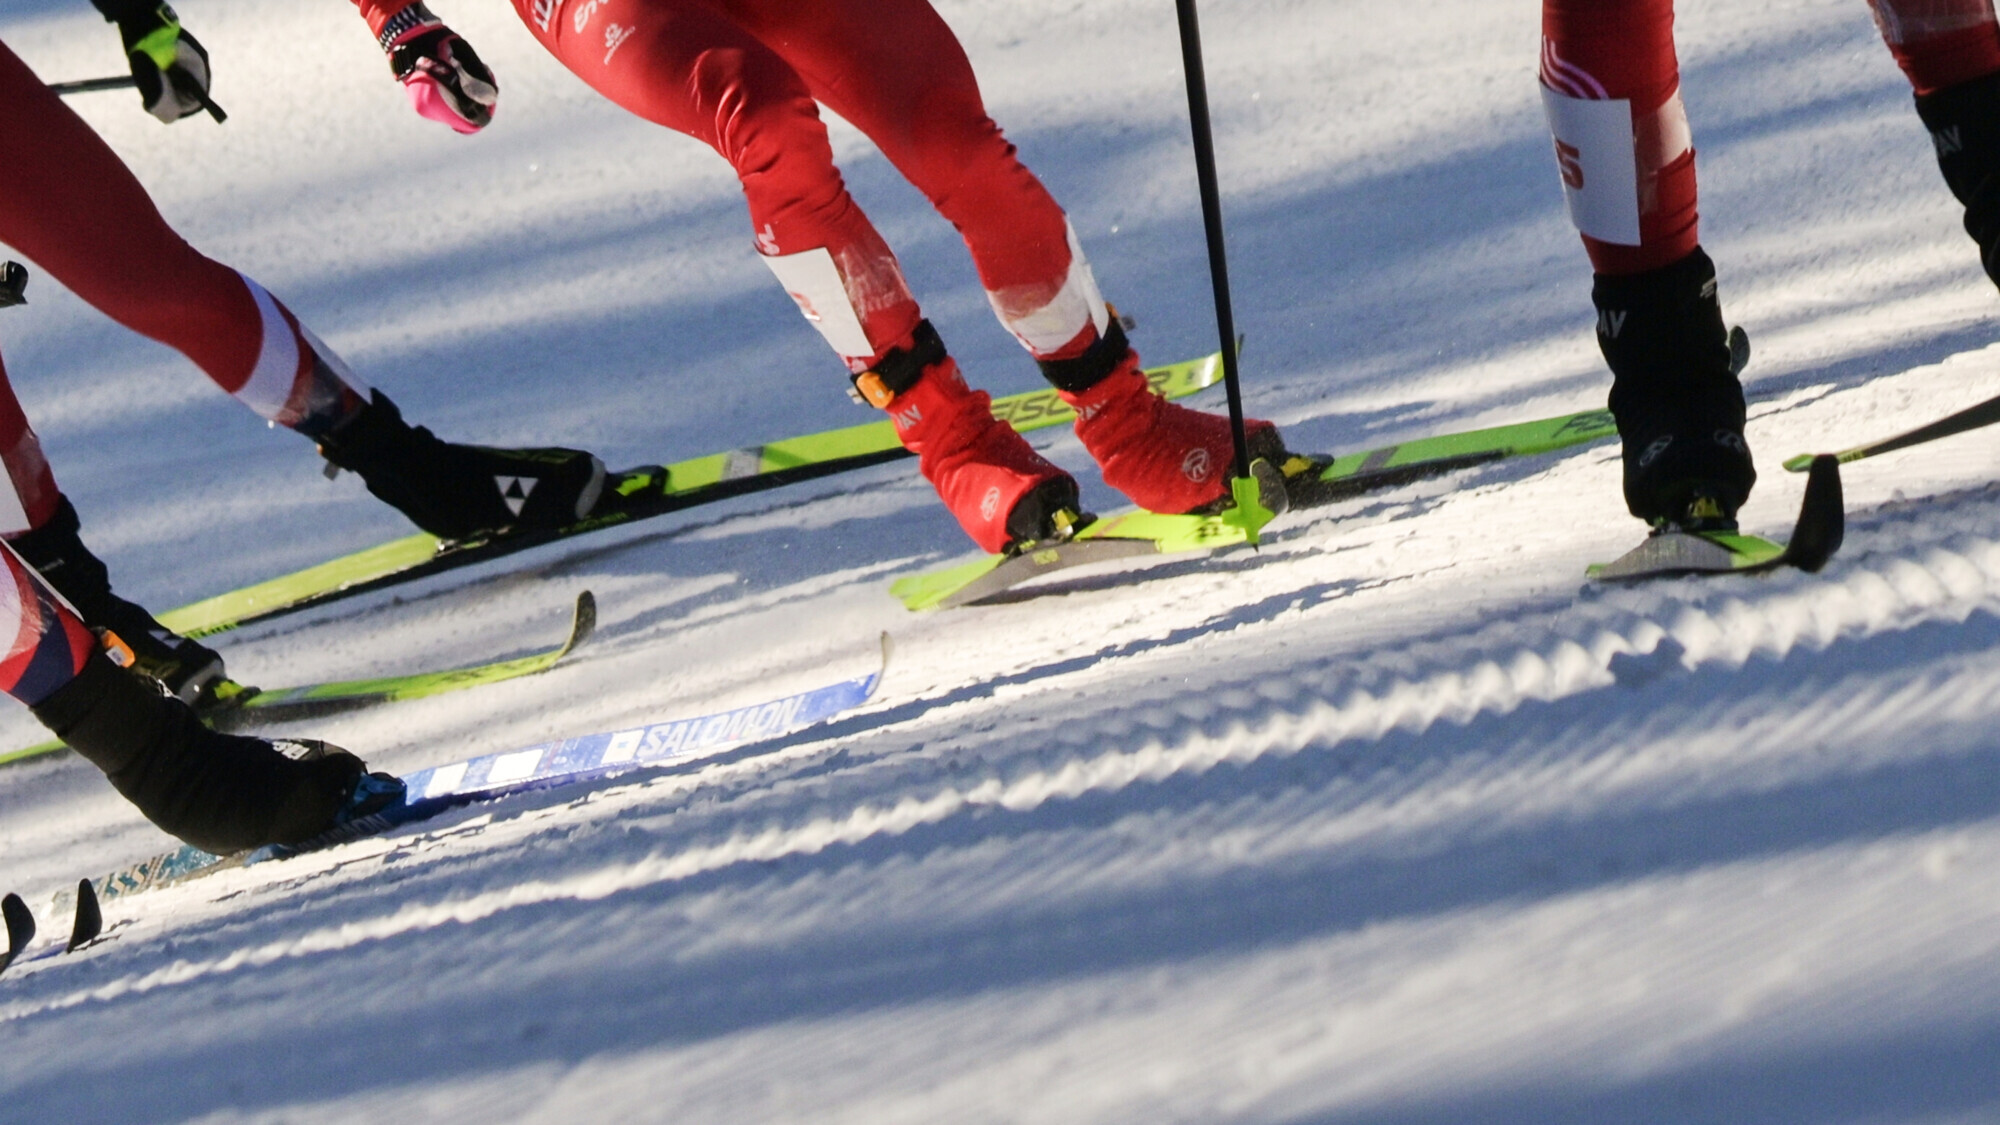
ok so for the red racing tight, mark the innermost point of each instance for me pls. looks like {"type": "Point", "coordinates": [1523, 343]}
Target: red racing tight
{"type": "Point", "coordinates": [743, 76]}
{"type": "Point", "coordinates": [47, 643]}
{"type": "Point", "coordinates": [1611, 85]}
{"type": "Point", "coordinates": [69, 205]}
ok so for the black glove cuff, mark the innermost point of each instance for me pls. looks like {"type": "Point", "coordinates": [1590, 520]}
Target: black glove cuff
{"type": "Point", "coordinates": [404, 22]}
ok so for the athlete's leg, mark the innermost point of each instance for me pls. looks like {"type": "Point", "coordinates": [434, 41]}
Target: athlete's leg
{"type": "Point", "coordinates": [68, 203]}
{"type": "Point", "coordinates": [219, 792]}
{"type": "Point", "coordinates": [41, 526]}
{"type": "Point", "coordinates": [1940, 43]}
{"type": "Point", "coordinates": [894, 69]}
{"type": "Point", "coordinates": [28, 497]}
{"type": "Point", "coordinates": [216, 791]}
{"type": "Point", "coordinates": [1611, 85]}
{"type": "Point", "coordinates": [684, 65]}
{"type": "Point", "coordinates": [688, 66]}
{"type": "Point", "coordinates": [1950, 51]}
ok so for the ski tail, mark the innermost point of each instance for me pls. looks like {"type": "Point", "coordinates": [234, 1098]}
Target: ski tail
{"type": "Point", "coordinates": [1822, 522]}
{"type": "Point", "coordinates": [20, 927]}
{"type": "Point", "coordinates": [89, 918]}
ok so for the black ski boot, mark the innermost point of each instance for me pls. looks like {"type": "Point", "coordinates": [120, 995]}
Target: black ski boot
{"type": "Point", "coordinates": [462, 491]}
{"type": "Point", "coordinates": [182, 668]}
{"type": "Point", "coordinates": [1051, 512]}
{"type": "Point", "coordinates": [222, 793]}
{"type": "Point", "coordinates": [1675, 395]}
{"type": "Point", "coordinates": [1964, 122]}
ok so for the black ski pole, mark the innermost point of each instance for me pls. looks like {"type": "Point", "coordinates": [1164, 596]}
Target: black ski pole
{"type": "Point", "coordinates": [88, 85]}
{"type": "Point", "coordinates": [1211, 217]}
{"type": "Point", "coordinates": [126, 81]}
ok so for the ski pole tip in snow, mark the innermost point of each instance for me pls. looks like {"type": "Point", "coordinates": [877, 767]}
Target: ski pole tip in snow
{"type": "Point", "coordinates": [1260, 498]}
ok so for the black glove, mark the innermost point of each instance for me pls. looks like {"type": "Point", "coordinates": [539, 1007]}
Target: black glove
{"type": "Point", "coordinates": [169, 65]}
{"type": "Point", "coordinates": [443, 74]}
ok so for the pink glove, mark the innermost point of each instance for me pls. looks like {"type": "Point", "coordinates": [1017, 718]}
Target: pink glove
{"type": "Point", "coordinates": [443, 74]}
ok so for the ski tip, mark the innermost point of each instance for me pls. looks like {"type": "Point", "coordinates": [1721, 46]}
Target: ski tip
{"type": "Point", "coordinates": [20, 927]}
{"type": "Point", "coordinates": [1802, 462]}
{"type": "Point", "coordinates": [1822, 517]}
{"type": "Point", "coordinates": [89, 917]}
{"type": "Point", "coordinates": [584, 623]}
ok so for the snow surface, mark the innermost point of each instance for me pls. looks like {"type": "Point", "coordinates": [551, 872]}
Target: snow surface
{"type": "Point", "coordinates": [1392, 820]}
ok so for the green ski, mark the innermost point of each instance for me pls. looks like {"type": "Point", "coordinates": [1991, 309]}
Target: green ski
{"type": "Point", "coordinates": [247, 707]}
{"type": "Point", "coordinates": [1815, 537]}
{"type": "Point", "coordinates": [637, 494]}
{"type": "Point", "coordinates": [1358, 473]}
{"type": "Point", "coordinates": [1138, 533]}
{"type": "Point", "coordinates": [1392, 465]}
{"type": "Point", "coordinates": [1129, 535]}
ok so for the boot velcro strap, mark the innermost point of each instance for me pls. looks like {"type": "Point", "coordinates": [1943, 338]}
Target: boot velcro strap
{"type": "Point", "coordinates": [1101, 358]}
{"type": "Point", "coordinates": [900, 369]}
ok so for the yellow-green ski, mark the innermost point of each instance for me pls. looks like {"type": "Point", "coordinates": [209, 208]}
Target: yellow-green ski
{"type": "Point", "coordinates": [247, 707]}
{"type": "Point", "coordinates": [636, 494]}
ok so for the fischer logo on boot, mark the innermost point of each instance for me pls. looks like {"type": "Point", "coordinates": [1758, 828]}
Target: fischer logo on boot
{"type": "Point", "coordinates": [514, 491]}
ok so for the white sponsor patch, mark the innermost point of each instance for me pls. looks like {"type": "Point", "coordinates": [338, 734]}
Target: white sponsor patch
{"type": "Point", "coordinates": [445, 779]}
{"type": "Point", "coordinates": [517, 766]}
{"type": "Point", "coordinates": [1056, 322]}
{"type": "Point", "coordinates": [814, 282]}
{"type": "Point", "coordinates": [623, 746]}
{"type": "Point", "coordinates": [1596, 156]}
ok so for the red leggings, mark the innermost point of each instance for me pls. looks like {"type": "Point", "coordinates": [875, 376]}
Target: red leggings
{"type": "Point", "coordinates": [70, 206]}
{"type": "Point", "coordinates": [1599, 50]}
{"type": "Point", "coordinates": [742, 76]}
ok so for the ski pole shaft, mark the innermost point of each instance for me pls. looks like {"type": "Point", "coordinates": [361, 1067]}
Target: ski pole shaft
{"type": "Point", "coordinates": [126, 82]}
{"type": "Point", "coordinates": [87, 85]}
{"type": "Point", "coordinates": [1211, 217]}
